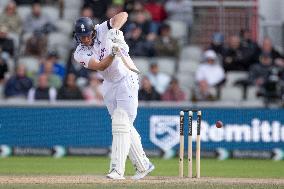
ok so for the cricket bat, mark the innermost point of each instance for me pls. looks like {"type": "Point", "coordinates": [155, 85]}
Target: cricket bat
{"type": "Point", "coordinates": [127, 61]}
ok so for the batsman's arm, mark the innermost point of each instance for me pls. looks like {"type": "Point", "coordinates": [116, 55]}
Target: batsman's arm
{"type": "Point", "coordinates": [119, 20]}
{"type": "Point", "coordinates": [100, 65]}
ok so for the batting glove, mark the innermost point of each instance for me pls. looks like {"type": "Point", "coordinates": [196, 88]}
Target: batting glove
{"type": "Point", "coordinates": [115, 50]}
{"type": "Point", "coordinates": [115, 35]}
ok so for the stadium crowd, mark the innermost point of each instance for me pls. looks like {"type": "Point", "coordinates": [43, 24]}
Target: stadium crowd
{"type": "Point", "coordinates": [49, 72]}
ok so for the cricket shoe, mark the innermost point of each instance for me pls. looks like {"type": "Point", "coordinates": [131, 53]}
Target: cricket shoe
{"type": "Point", "coordinates": [140, 175]}
{"type": "Point", "coordinates": [114, 175]}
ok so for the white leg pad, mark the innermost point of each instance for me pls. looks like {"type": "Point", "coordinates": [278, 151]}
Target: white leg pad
{"type": "Point", "coordinates": [120, 140]}
{"type": "Point", "coordinates": [136, 152]}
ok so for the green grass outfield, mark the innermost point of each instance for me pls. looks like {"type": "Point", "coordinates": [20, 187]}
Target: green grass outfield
{"type": "Point", "coordinates": [35, 166]}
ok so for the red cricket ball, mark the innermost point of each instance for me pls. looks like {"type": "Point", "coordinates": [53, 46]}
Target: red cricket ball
{"type": "Point", "coordinates": [219, 124]}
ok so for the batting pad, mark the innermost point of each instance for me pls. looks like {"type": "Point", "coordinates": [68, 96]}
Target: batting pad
{"type": "Point", "coordinates": [120, 140]}
{"type": "Point", "coordinates": [136, 152]}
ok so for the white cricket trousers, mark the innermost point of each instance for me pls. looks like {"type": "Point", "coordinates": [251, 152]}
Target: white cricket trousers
{"type": "Point", "coordinates": [124, 94]}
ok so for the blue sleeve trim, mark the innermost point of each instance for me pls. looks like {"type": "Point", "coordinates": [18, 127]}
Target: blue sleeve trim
{"type": "Point", "coordinates": [108, 25]}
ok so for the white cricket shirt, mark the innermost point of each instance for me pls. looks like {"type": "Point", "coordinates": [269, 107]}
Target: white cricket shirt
{"type": "Point", "coordinates": [116, 71]}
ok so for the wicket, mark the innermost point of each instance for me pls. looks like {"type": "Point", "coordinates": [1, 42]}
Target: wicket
{"type": "Point", "coordinates": [189, 151]}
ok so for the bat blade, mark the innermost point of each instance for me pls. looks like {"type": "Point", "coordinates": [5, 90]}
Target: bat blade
{"type": "Point", "coordinates": [128, 62]}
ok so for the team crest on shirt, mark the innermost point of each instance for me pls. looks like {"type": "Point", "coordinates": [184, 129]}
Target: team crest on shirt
{"type": "Point", "coordinates": [83, 27]}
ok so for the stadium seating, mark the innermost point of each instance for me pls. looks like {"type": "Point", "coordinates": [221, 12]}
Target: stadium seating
{"type": "Point", "coordinates": [52, 12]}
{"type": "Point", "coordinates": [71, 14]}
{"type": "Point", "coordinates": [234, 76]}
{"type": "Point", "coordinates": [72, 3]}
{"type": "Point", "coordinates": [142, 64]}
{"type": "Point", "coordinates": [189, 59]}
{"type": "Point", "coordinates": [57, 39]}
{"type": "Point", "coordinates": [11, 65]}
{"type": "Point", "coordinates": [179, 29]}
{"type": "Point", "coordinates": [3, 4]}
{"type": "Point", "coordinates": [251, 93]}
{"type": "Point", "coordinates": [31, 63]}
{"type": "Point", "coordinates": [23, 40]}
{"type": "Point", "coordinates": [166, 65]}
{"type": "Point", "coordinates": [230, 93]}
{"type": "Point", "coordinates": [23, 11]}
{"type": "Point", "coordinates": [187, 66]}
{"type": "Point", "coordinates": [60, 42]}
{"type": "Point", "coordinates": [191, 53]}
{"type": "Point", "coordinates": [62, 51]}
{"type": "Point", "coordinates": [1, 91]}
{"type": "Point", "coordinates": [186, 82]}
{"type": "Point", "coordinates": [64, 26]}
{"type": "Point", "coordinates": [183, 68]}
{"type": "Point", "coordinates": [16, 39]}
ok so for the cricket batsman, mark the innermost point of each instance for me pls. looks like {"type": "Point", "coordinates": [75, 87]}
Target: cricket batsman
{"type": "Point", "coordinates": [98, 50]}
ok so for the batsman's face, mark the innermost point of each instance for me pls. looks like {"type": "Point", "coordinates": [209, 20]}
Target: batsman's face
{"type": "Point", "coordinates": [86, 40]}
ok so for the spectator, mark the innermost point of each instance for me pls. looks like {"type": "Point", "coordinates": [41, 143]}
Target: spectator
{"type": "Point", "coordinates": [174, 92]}
{"type": "Point", "coordinates": [11, 19]}
{"type": "Point", "coordinates": [36, 21]}
{"type": "Point", "coordinates": [99, 7]}
{"type": "Point", "coordinates": [267, 48]}
{"type": "Point", "coordinates": [39, 25]}
{"type": "Point", "coordinates": [261, 70]}
{"type": "Point", "coordinates": [138, 46]}
{"type": "Point", "coordinates": [138, 6]}
{"type": "Point", "coordinates": [6, 44]}
{"type": "Point", "coordinates": [58, 68]}
{"type": "Point", "coordinates": [112, 11]}
{"type": "Point", "coordinates": [157, 11]}
{"type": "Point", "coordinates": [53, 79]}
{"type": "Point", "coordinates": [42, 91]}
{"type": "Point", "coordinates": [38, 39]}
{"type": "Point", "coordinates": [217, 44]}
{"type": "Point", "coordinates": [24, 2]}
{"type": "Point", "coordinates": [18, 85]}
{"type": "Point", "coordinates": [129, 6]}
{"type": "Point", "coordinates": [180, 10]}
{"type": "Point", "coordinates": [267, 78]}
{"type": "Point", "coordinates": [165, 44]}
{"type": "Point", "coordinates": [208, 76]}
{"type": "Point", "coordinates": [93, 91]}
{"type": "Point", "coordinates": [3, 70]}
{"type": "Point", "coordinates": [158, 80]}
{"type": "Point", "coordinates": [69, 90]}
{"type": "Point", "coordinates": [235, 56]}
{"type": "Point", "coordinates": [142, 19]}
{"type": "Point", "coordinates": [3, 75]}
{"type": "Point", "coordinates": [147, 92]}
{"type": "Point", "coordinates": [88, 12]}
{"type": "Point", "coordinates": [251, 46]}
